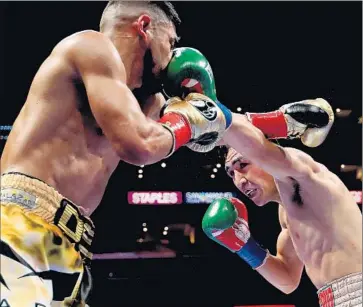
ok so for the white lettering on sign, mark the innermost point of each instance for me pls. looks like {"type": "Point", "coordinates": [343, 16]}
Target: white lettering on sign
{"type": "Point", "coordinates": [205, 197]}
{"type": "Point", "coordinates": [157, 198]}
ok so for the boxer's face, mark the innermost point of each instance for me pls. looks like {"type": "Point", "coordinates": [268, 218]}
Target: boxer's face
{"type": "Point", "coordinates": [161, 45]}
{"type": "Point", "coordinates": [158, 40]}
{"type": "Point", "coordinates": [251, 180]}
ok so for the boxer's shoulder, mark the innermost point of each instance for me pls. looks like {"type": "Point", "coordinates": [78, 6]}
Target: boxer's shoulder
{"type": "Point", "coordinates": [85, 38]}
{"type": "Point", "coordinates": [298, 156]}
{"type": "Point", "coordinates": [301, 165]}
{"type": "Point", "coordinates": [90, 51]}
{"type": "Point", "coordinates": [310, 170]}
{"type": "Point", "coordinates": [86, 43]}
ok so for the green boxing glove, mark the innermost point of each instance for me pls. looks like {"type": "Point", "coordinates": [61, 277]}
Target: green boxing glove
{"type": "Point", "coordinates": [226, 222]}
{"type": "Point", "coordinates": [188, 72]}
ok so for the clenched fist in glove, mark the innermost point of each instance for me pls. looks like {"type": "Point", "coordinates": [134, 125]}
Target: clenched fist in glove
{"type": "Point", "coordinates": [226, 222]}
{"type": "Point", "coordinates": [188, 72]}
{"type": "Point", "coordinates": [310, 120]}
{"type": "Point", "coordinates": [196, 122]}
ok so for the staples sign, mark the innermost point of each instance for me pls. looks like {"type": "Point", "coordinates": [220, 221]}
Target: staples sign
{"type": "Point", "coordinates": [155, 198]}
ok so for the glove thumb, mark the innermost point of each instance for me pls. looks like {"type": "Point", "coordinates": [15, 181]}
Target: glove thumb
{"type": "Point", "coordinates": [313, 137]}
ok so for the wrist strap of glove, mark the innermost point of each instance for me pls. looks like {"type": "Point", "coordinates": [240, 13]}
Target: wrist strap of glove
{"type": "Point", "coordinates": [227, 113]}
{"type": "Point", "coordinates": [172, 150]}
{"type": "Point", "coordinates": [179, 128]}
{"type": "Point", "coordinates": [253, 254]}
{"type": "Point", "coordinates": [272, 124]}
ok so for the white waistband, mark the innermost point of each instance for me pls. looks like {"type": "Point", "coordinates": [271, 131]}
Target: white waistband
{"type": "Point", "coordinates": [342, 292]}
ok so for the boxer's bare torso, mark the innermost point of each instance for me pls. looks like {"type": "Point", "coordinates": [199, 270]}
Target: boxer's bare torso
{"type": "Point", "coordinates": [56, 139]}
{"type": "Point", "coordinates": [324, 223]}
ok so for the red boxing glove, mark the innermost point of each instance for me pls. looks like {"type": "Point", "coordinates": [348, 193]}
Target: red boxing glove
{"type": "Point", "coordinates": [236, 236]}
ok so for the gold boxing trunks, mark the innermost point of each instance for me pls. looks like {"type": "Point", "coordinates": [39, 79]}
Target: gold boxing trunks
{"type": "Point", "coordinates": [44, 247]}
{"type": "Point", "coordinates": [343, 292]}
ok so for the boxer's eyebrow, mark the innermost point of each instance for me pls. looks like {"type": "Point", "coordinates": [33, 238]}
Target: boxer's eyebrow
{"type": "Point", "coordinates": [234, 161]}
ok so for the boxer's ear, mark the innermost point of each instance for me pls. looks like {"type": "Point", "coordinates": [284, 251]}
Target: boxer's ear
{"type": "Point", "coordinates": [142, 25]}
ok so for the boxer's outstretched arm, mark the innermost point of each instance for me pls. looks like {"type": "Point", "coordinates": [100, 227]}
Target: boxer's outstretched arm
{"type": "Point", "coordinates": [283, 270]}
{"type": "Point", "coordinates": [136, 138]}
{"type": "Point", "coordinates": [280, 163]}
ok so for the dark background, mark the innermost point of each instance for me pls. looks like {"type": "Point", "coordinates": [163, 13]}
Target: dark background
{"type": "Point", "coordinates": [263, 54]}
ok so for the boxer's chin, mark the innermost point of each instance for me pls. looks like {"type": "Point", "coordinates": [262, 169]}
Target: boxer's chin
{"type": "Point", "coordinates": [259, 200]}
{"type": "Point", "coordinates": [260, 203]}
{"type": "Point", "coordinates": [263, 202]}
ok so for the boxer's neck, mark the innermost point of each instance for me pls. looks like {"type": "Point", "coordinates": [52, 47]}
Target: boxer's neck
{"type": "Point", "coordinates": [276, 198]}
{"type": "Point", "coordinates": [132, 54]}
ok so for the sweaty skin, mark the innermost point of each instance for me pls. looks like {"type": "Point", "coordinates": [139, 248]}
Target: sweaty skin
{"type": "Point", "coordinates": [75, 144]}
{"type": "Point", "coordinates": [321, 225]}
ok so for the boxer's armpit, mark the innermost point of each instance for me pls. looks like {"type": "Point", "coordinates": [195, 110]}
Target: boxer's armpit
{"type": "Point", "coordinates": [296, 196]}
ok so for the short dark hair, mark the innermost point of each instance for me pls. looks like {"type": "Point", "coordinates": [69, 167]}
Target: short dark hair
{"type": "Point", "coordinates": [224, 149]}
{"type": "Point", "coordinates": [121, 11]}
{"type": "Point", "coordinates": [168, 8]}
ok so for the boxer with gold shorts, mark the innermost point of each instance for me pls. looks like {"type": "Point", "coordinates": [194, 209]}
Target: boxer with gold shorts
{"type": "Point", "coordinates": [95, 101]}
{"type": "Point", "coordinates": [44, 240]}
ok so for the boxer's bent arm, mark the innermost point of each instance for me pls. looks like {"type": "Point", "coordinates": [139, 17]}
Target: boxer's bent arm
{"type": "Point", "coordinates": [153, 105]}
{"type": "Point", "coordinates": [136, 138]}
{"type": "Point", "coordinates": [283, 270]}
{"type": "Point", "coordinates": [250, 141]}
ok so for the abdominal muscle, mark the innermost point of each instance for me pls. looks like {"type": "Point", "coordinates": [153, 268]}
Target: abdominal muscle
{"type": "Point", "coordinates": [326, 230]}
{"type": "Point", "coordinates": [73, 159]}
